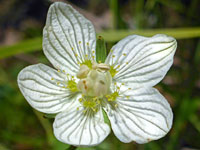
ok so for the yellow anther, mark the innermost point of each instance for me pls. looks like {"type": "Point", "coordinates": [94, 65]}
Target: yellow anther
{"type": "Point", "coordinates": [127, 97]}
{"type": "Point", "coordinates": [87, 43]}
{"type": "Point", "coordinates": [76, 54]}
{"type": "Point", "coordinates": [72, 48]}
{"type": "Point", "coordinates": [118, 66]}
{"type": "Point", "coordinates": [58, 83]}
{"type": "Point", "coordinates": [86, 55]}
{"type": "Point", "coordinates": [127, 63]}
{"type": "Point", "coordinates": [63, 71]}
{"type": "Point", "coordinates": [77, 108]}
{"type": "Point", "coordinates": [79, 42]}
{"type": "Point", "coordinates": [129, 88]}
{"type": "Point", "coordinates": [52, 78]}
{"type": "Point", "coordinates": [111, 51]}
{"type": "Point", "coordinates": [124, 54]}
{"type": "Point", "coordinates": [113, 56]}
{"type": "Point", "coordinates": [58, 70]}
{"type": "Point", "coordinates": [123, 83]}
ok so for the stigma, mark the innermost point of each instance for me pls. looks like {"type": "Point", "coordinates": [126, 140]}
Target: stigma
{"type": "Point", "coordinates": [94, 81]}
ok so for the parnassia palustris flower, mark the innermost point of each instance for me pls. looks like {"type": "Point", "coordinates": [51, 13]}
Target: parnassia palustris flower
{"type": "Point", "coordinates": [79, 89]}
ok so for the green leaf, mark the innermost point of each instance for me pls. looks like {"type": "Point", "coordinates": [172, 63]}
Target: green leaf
{"type": "Point", "coordinates": [194, 119]}
{"type": "Point", "coordinates": [24, 46]}
{"type": "Point", "coordinates": [109, 36]}
{"type": "Point", "coordinates": [106, 120]}
{"type": "Point", "coordinates": [177, 33]}
{"type": "Point", "coordinates": [101, 52]}
{"type": "Point", "coordinates": [49, 116]}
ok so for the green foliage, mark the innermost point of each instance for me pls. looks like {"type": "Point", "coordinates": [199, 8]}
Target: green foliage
{"type": "Point", "coordinates": [24, 46]}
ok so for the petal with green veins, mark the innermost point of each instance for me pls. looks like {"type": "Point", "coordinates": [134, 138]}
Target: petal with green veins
{"type": "Point", "coordinates": [144, 116]}
{"type": "Point", "coordinates": [141, 61]}
{"type": "Point", "coordinates": [79, 127]}
{"type": "Point", "coordinates": [38, 85]}
{"type": "Point", "coordinates": [68, 38]}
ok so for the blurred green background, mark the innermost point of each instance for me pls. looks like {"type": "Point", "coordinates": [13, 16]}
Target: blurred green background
{"type": "Point", "coordinates": [21, 24]}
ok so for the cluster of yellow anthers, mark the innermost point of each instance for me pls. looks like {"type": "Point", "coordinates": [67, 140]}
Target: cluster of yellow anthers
{"type": "Point", "coordinates": [92, 103]}
{"type": "Point", "coordinates": [113, 96]}
{"type": "Point", "coordinates": [69, 84]}
{"type": "Point", "coordinates": [113, 67]}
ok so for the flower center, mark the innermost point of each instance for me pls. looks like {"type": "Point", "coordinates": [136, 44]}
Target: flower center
{"type": "Point", "coordinates": [94, 81]}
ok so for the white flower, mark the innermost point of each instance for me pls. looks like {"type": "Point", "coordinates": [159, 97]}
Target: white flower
{"type": "Point", "coordinates": [81, 89]}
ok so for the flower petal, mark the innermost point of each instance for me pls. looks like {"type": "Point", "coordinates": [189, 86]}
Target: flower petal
{"type": "Point", "coordinates": [145, 116]}
{"type": "Point", "coordinates": [68, 38]}
{"type": "Point", "coordinates": [142, 61]}
{"type": "Point", "coordinates": [75, 127]}
{"type": "Point", "coordinates": [41, 92]}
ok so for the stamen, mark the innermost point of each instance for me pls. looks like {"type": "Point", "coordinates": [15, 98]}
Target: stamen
{"type": "Point", "coordinates": [68, 82]}
{"type": "Point", "coordinates": [72, 86]}
{"type": "Point", "coordinates": [90, 103]}
{"type": "Point", "coordinates": [113, 71]}
{"type": "Point", "coordinates": [113, 96]}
